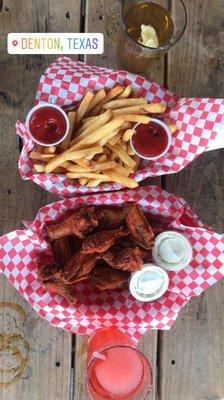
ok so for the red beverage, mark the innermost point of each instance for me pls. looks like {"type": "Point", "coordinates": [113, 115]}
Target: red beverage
{"type": "Point", "coordinates": [151, 140]}
{"type": "Point", "coordinates": [103, 338]}
{"type": "Point", "coordinates": [116, 368]}
{"type": "Point", "coordinates": [47, 124]}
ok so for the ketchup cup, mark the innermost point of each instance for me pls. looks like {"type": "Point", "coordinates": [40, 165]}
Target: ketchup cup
{"type": "Point", "coordinates": [47, 124]}
{"type": "Point", "coordinates": [151, 141]}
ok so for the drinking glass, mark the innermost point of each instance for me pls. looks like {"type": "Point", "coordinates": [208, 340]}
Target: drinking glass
{"type": "Point", "coordinates": [134, 56]}
{"type": "Point", "coordinates": [116, 369]}
{"type": "Point", "coordinates": [119, 372]}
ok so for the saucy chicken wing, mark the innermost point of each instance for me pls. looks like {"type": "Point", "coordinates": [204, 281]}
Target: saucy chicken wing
{"type": "Point", "coordinates": [138, 226]}
{"type": "Point", "coordinates": [59, 287]}
{"type": "Point", "coordinates": [103, 277]}
{"type": "Point", "coordinates": [127, 259]}
{"type": "Point", "coordinates": [102, 240]}
{"type": "Point", "coordinates": [80, 224]}
{"type": "Point", "coordinates": [61, 250]}
{"type": "Point", "coordinates": [110, 218]}
{"type": "Point", "coordinates": [78, 267]}
{"type": "Point", "coordinates": [49, 276]}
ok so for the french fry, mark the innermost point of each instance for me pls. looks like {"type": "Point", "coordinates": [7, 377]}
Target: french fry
{"type": "Point", "coordinates": [83, 106]}
{"type": "Point", "coordinates": [101, 158]}
{"type": "Point", "coordinates": [98, 123]}
{"type": "Point", "coordinates": [39, 168]}
{"type": "Point", "coordinates": [115, 139]}
{"type": "Point", "coordinates": [137, 160]}
{"type": "Point", "coordinates": [108, 137]}
{"type": "Point", "coordinates": [88, 175]}
{"type": "Point", "coordinates": [110, 96]}
{"type": "Point", "coordinates": [128, 135]}
{"type": "Point", "coordinates": [98, 134]}
{"type": "Point", "coordinates": [114, 176]}
{"type": "Point", "coordinates": [94, 182]}
{"type": "Point", "coordinates": [83, 181]}
{"type": "Point", "coordinates": [71, 155]}
{"type": "Point", "coordinates": [141, 119]}
{"type": "Point", "coordinates": [50, 150]}
{"type": "Point", "coordinates": [58, 170]}
{"type": "Point", "coordinates": [88, 119]}
{"type": "Point", "coordinates": [35, 155]}
{"type": "Point", "coordinates": [130, 150]}
{"type": "Point", "coordinates": [97, 167]}
{"type": "Point", "coordinates": [121, 103]}
{"type": "Point", "coordinates": [172, 128]}
{"type": "Point", "coordinates": [126, 93]}
{"type": "Point", "coordinates": [123, 145]}
{"type": "Point", "coordinates": [66, 164]}
{"type": "Point", "coordinates": [71, 117]}
{"type": "Point", "coordinates": [121, 153]}
{"type": "Point", "coordinates": [123, 170]}
{"type": "Point", "coordinates": [141, 109]}
{"type": "Point", "coordinates": [126, 125]}
{"type": "Point", "coordinates": [99, 96]}
{"type": "Point", "coordinates": [88, 165]}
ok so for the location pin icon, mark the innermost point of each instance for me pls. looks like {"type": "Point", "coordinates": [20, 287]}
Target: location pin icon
{"type": "Point", "coordinates": [15, 42]}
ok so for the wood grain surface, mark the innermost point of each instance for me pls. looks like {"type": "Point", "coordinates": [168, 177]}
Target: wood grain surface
{"type": "Point", "coordinates": [46, 351]}
{"type": "Point", "coordinates": [191, 355]}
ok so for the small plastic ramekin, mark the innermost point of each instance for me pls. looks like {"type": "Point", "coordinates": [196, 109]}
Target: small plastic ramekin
{"type": "Point", "coordinates": [169, 136]}
{"type": "Point", "coordinates": [43, 105]}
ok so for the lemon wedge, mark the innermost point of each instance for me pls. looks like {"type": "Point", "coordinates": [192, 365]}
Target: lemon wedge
{"type": "Point", "coordinates": [148, 37]}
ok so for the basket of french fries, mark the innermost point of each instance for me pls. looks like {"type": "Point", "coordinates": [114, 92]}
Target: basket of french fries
{"type": "Point", "coordinates": [103, 107]}
{"type": "Point", "coordinates": [74, 261]}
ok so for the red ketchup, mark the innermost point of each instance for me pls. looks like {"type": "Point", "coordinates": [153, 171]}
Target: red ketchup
{"type": "Point", "coordinates": [47, 125]}
{"type": "Point", "coordinates": [150, 140]}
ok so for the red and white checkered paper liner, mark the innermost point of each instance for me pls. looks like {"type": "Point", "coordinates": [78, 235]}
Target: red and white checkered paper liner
{"type": "Point", "coordinates": [65, 82]}
{"type": "Point", "coordinates": [21, 250]}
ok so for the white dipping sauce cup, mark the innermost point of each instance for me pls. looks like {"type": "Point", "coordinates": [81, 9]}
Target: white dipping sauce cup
{"type": "Point", "coordinates": [148, 284]}
{"type": "Point", "coordinates": [172, 251]}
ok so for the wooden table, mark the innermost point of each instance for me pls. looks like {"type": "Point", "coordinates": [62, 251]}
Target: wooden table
{"type": "Point", "coordinates": [188, 361]}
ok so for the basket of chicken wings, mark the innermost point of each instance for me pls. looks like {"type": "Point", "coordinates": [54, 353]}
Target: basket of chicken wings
{"type": "Point", "coordinates": [75, 261]}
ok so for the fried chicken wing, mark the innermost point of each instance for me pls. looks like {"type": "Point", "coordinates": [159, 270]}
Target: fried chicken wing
{"type": "Point", "coordinates": [49, 276]}
{"type": "Point", "coordinates": [61, 250]}
{"type": "Point", "coordinates": [103, 277]}
{"type": "Point", "coordinates": [127, 259]}
{"type": "Point", "coordinates": [110, 218]}
{"type": "Point", "coordinates": [48, 271]}
{"type": "Point", "coordinates": [128, 242]}
{"type": "Point", "coordinates": [80, 224]}
{"type": "Point", "coordinates": [78, 267]}
{"type": "Point", "coordinates": [138, 226]}
{"type": "Point", "coordinates": [102, 240]}
{"type": "Point", "coordinates": [61, 288]}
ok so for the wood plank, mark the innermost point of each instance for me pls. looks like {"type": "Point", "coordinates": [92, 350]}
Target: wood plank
{"type": "Point", "coordinates": [47, 371]}
{"type": "Point", "coordinates": [191, 354]}
{"type": "Point", "coordinates": [103, 16]}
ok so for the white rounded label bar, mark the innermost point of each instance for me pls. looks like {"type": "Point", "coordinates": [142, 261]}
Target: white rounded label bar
{"type": "Point", "coordinates": [55, 43]}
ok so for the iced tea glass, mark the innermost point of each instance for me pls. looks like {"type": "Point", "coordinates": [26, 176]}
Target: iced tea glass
{"type": "Point", "coordinates": [169, 24]}
{"type": "Point", "coordinates": [116, 369]}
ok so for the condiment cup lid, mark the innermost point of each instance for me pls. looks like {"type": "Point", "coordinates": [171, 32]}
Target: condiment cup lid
{"type": "Point", "coordinates": [43, 105]}
{"type": "Point", "coordinates": [169, 136]}
{"type": "Point", "coordinates": [172, 251]}
{"type": "Point", "coordinates": [148, 284]}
